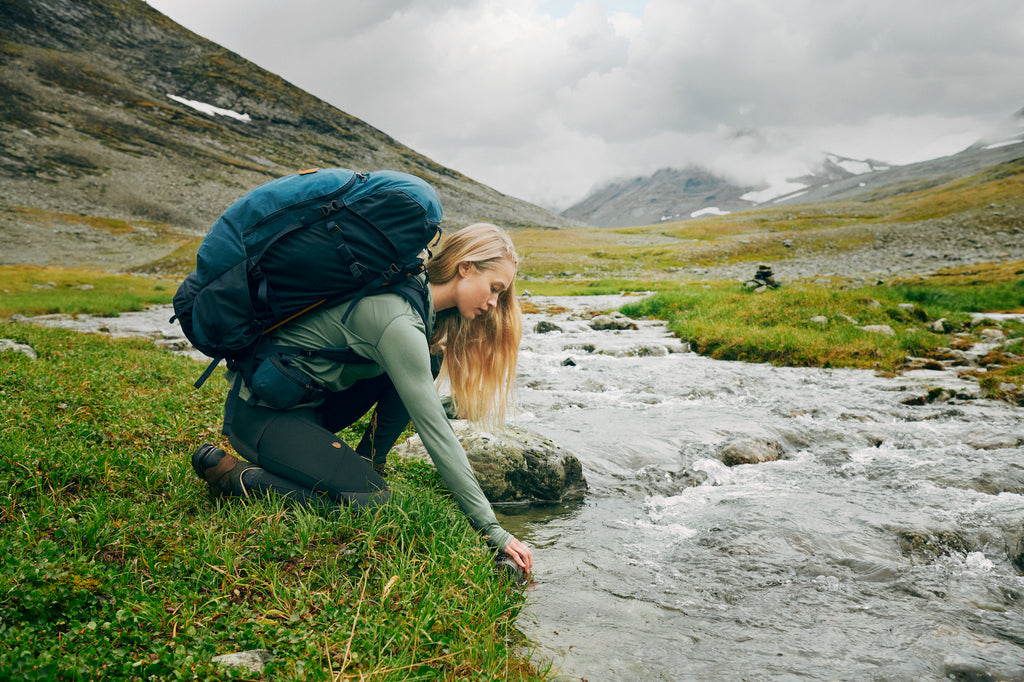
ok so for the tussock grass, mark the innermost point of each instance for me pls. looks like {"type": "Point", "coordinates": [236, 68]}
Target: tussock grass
{"type": "Point", "coordinates": [727, 322]}
{"type": "Point", "coordinates": [117, 564]}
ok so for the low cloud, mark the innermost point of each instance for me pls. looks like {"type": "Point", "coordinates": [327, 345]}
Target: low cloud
{"type": "Point", "coordinates": [545, 105]}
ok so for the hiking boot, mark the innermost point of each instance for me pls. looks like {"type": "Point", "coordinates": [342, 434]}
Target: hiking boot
{"type": "Point", "coordinates": [213, 466]}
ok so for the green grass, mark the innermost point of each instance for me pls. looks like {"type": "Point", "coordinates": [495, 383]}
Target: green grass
{"type": "Point", "coordinates": [31, 290]}
{"type": "Point", "coordinates": [117, 564]}
{"type": "Point", "coordinates": [727, 322]}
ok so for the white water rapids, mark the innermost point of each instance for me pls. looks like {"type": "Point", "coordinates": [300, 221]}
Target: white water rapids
{"type": "Point", "coordinates": [876, 548]}
{"type": "Point", "coordinates": [803, 568]}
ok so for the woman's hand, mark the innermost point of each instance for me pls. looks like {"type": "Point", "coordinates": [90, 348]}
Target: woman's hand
{"type": "Point", "coordinates": [520, 554]}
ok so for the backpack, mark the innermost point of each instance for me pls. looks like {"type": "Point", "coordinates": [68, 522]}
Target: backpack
{"type": "Point", "coordinates": [298, 243]}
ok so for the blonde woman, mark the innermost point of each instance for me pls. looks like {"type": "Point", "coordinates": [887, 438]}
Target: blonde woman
{"type": "Point", "coordinates": [473, 321]}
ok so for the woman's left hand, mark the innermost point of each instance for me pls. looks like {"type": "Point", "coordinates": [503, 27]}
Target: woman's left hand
{"type": "Point", "coordinates": [520, 554]}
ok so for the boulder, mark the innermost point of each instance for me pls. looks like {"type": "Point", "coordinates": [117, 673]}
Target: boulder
{"type": "Point", "coordinates": [614, 322]}
{"type": "Point", "coordinates": [514, 465]}
{"type": "Point", "coordinates": [749, 451]}
{"type": "Point", "coordinates": [543, 327]}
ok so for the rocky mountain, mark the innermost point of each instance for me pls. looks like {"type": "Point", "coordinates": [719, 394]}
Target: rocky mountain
{"type": "Point", "coordinates": [111, 112]}
{"type": "Point", "coordinates": [680, 194]}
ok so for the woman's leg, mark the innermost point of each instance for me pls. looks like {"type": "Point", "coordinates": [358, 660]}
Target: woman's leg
{"type": "Point", "coordinates": [292, 445]}
{"type": "Point", "coordinates": [389, 418]}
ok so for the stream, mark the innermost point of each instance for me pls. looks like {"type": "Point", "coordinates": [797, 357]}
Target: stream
{"type": "Point", "coordinates": [875, 548]}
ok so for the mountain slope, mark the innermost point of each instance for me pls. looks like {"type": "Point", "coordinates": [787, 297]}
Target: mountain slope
{"type": "Point", "coordinates": [672, 195]}
{"type": "Point", "coordinates": [110, 110]}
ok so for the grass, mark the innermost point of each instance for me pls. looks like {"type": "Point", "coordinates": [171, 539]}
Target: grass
{"type": "Point", "coordinates": [724, 321]}
{"type": "Point", "coordinates": [117, 564]}
{"type": "Point", "coordinates": [31, 290]}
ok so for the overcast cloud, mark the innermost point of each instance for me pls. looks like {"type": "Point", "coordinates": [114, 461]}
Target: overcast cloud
{"type": "Point", "coordinates": [544, 100]}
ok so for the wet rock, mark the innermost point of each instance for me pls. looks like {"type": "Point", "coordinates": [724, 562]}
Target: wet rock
{"type": "Point", "coordinates": [614, 322]}
{"type": "Point", "coordinates": [568, 362]}
{"type": "Point", "coordinates": [935, 395]}
{"type": "Point", "coordinates": [930, 545]}
{"type": "Point", "coordinates": [643, 351]}
{"type": "Point", "coordinates": [9, 346]}
{"type": "Point", "coordinates": [878, 329]}
{"type": "Point", "coordinates": [749, 451]}
{"type": "Point", "coordinates": [514, 466]}
{"type": "Point", "coordinates": [251, 661]}
{"type": "Point", "coordinates": [543, 327]}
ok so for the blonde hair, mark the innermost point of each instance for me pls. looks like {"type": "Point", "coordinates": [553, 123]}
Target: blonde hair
{"type": "Point", "coordinates": [480, 355]}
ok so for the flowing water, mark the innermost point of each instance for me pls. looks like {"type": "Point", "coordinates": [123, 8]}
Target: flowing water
{"type": "Point", "coordinates": [876, 548]}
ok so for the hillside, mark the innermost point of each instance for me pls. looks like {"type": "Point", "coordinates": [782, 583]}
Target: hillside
{"type": "Point", "coordinates": [123, 134]}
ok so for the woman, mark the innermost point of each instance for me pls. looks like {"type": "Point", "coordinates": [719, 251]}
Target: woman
{"type": "Point", "coordinates": [473, 320]}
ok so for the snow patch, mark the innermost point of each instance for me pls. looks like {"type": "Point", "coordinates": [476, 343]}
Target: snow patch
{"type": "Point", "coordinates": [1004, 143]}
{"type": "Point", "coordinates": [773, 192]}
{"type": "Point", "coordinates": [210, 109]}
{"type": "Point", "coordinates": [710, 210]}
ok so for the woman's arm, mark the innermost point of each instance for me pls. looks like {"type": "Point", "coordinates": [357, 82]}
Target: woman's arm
{"type": "Point", "coordinates": [402, 352]}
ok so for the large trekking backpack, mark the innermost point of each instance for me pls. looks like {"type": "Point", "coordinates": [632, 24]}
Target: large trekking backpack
{"type": "Point", "coordinates": [302, 242]}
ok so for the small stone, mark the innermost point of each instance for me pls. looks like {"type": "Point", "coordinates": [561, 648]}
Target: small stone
{"type": "Point", "coordinates": [819, 320]}
{"type": "Point", "coordinates": [878, 329]}
{"type": "Point", "coordinates": [251, 661]}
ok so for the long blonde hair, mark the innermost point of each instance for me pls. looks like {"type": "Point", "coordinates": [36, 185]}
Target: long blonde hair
{"type": "Point", "coordinates": [480, 355]}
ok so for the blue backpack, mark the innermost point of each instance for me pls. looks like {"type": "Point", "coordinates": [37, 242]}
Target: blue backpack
{"type": "Point", "coordinates": [298, 243]}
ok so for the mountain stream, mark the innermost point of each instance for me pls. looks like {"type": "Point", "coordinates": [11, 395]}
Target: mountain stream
{"type": "Point", "coordinates": [876, 547]}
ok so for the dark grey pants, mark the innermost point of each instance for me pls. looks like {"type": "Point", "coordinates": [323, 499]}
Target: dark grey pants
{"type": "Point", "coordinates": [300, 455]}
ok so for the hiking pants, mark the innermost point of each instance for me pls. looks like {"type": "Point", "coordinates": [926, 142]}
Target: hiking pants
{"type": "Point", "coordinates": [304, 459]}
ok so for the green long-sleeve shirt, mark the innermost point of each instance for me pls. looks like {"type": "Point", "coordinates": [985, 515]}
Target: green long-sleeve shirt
{"type": "Point", "coordinates": [386, 330]}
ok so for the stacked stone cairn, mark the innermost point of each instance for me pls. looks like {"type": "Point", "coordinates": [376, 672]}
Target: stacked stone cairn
{"type": "Point", "coordinates": [763, 279]}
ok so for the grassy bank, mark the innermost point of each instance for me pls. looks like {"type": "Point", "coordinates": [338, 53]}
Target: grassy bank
{"type": "Point", "coordinates": [117, 565]}
{"type": "Point", "coordinates": [819, 326]}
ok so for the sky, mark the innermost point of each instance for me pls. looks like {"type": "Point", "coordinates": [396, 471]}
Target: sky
{"type": "Point", "coordinates": [547, 99]}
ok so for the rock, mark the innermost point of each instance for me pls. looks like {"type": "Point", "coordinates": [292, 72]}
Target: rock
{"type": "Point", "coordinates": [992, 334]}
{"type": "Point", "coordinates": [9, 346]}
{"type": "Point", "coordinates": [251, 661]}
{"type": "Point", "coordinates": [930, 545]}
{"type": "Point", "coordinates": [819, 320]}
{"type": "Point", "coordinates": [643, 351]}
{"type": "Point", "coordinates": [612, 322]}
{"type": "Point", "coordinates": [1017, 554]}
{"type": "Point", "coordinates": [568, 362]}
{"type": "Point", "coordinates": [939, 326]}
{"type": "Point", "coordinates": [514, 466]}
{"type": "Point", "coordinates": [543, 327]}
{"type": "Point", "coordinates": [749, 451]}
{"type": "Point", "coordinates": [878, 329]}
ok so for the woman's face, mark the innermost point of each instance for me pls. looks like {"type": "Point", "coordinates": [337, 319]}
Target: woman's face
{"type": "Point", "coordinates": [476, 292]}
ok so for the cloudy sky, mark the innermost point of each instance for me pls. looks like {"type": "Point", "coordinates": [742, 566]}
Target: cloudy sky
{"type": "Point", "coordinates": [545, 99]}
